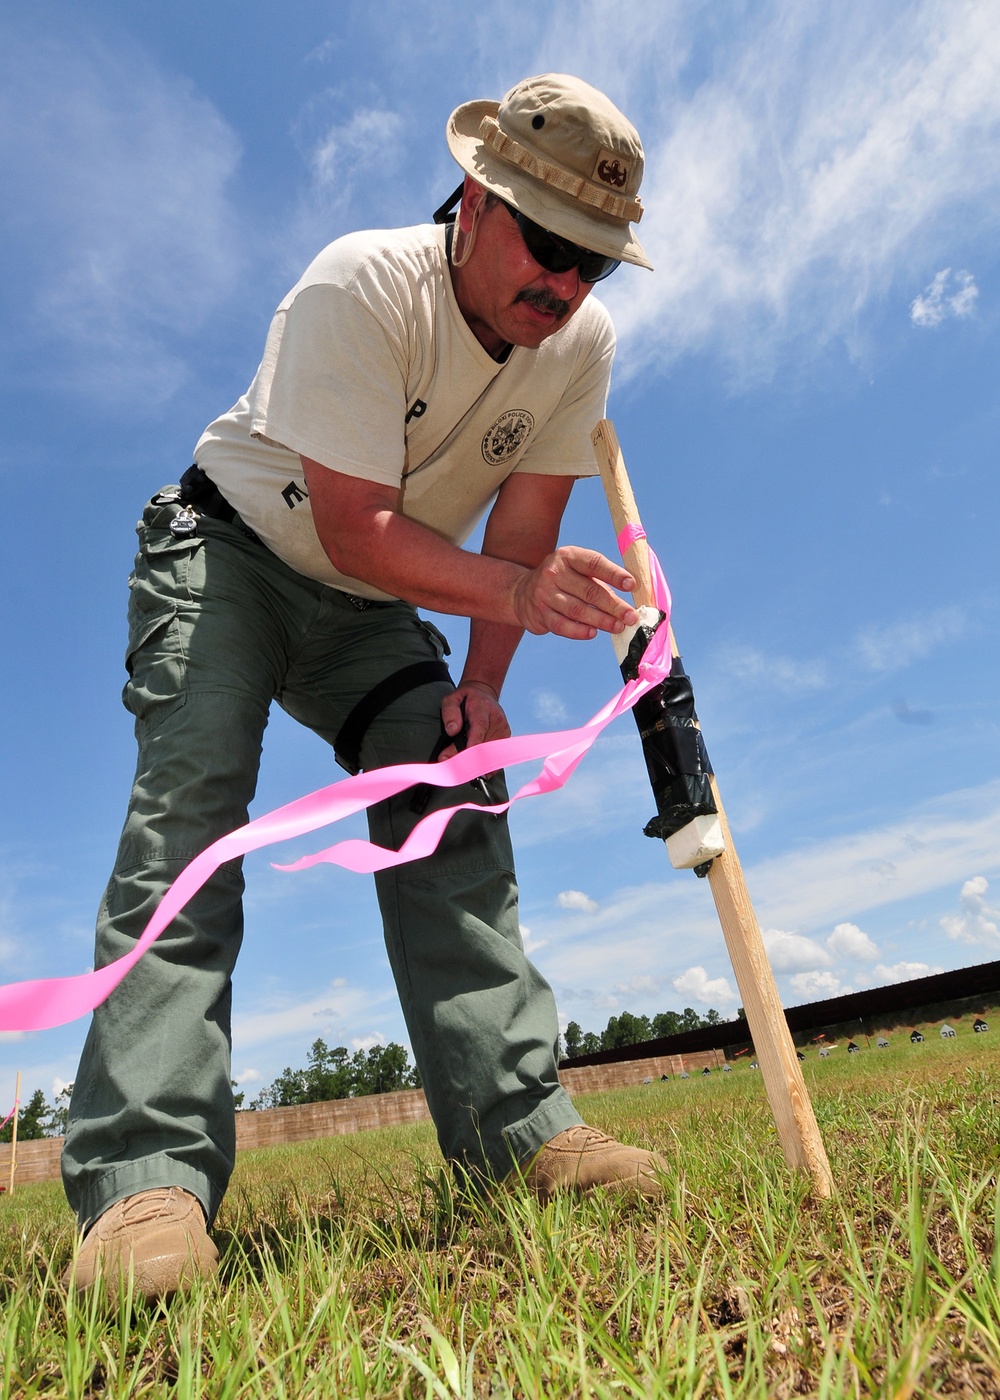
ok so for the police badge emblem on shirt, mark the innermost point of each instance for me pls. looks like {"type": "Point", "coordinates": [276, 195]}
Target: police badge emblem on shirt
{"type": "Point", "coordinates": [507, 436]}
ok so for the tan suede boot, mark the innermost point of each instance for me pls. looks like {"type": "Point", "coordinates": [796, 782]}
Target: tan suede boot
{"type": "Point", "coordinates": [581, 1158]}
{"type": "Point", "coordinates": [159, 1234]}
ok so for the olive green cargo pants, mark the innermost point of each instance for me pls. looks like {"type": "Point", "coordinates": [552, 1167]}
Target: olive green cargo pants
{"type": "Point", "coordinates": [218, 627]}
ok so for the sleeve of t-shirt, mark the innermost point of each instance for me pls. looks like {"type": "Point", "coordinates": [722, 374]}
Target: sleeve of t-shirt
{"type": "Point", "coordinates": [563, 446]}
{"type": "Point", "coordinates": [332, 386]}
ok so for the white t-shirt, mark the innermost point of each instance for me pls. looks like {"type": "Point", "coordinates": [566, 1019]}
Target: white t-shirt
{"type": "Point", "coordinates": [371, 369]}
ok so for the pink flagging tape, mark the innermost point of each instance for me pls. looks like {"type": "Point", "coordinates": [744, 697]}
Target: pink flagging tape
{"type": "Point", "coordinates": [629, 535]}
{"type": "Point", "coordinates": [54, 1001]}
{"type": "Point", "coordinates": [10, 1115]}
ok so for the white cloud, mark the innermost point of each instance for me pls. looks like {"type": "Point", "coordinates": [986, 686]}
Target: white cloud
{"type": "Point", "coordinates": [550, 708]}
{"type": "Point", "coordinates": [977, 923]}
{"type": "Point", "coordinates": [339, 1006]}
{"type": "Point", "coordinates": [353, 174]}
{"type": "Point", "coordinates": [823, 155]}
{"type": "Point", "coordinates": [817, 986]}
{"type": "Point", "coordinates": [848, 941]}
{"type": "Point", "coordinates": [905, 971]}
{"type": "Point", "coordinates": [369, 140]}
{"type": "Point", "coordinates": [122, 227]}
{"type": "Point", "coordinates": [531, 944]}
{"type": "Point", "coordinates": [366, 1042]}
{"type": "Point", "coordinates": [248, 1076]}
{"type": "Point", "coordinates": [639, 985]}
{"type": "Point", "coordinates": [895, 645]}
{"type": "Point", "coordinates": [935, 305]}
{"type": "Point", "coordinates": [696, 984]}
{"type": "Point", "coordinates": [788, 952]}
{"type": "Point", "coordinates": [779, 672]}
{"type": "Point", "coordinates": [577, 900]}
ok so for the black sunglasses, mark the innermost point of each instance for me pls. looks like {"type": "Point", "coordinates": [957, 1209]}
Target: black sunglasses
{"type": "Point", "coordinates": [557, 254]}
{"type": "Point", "coordinates": [550, 251]}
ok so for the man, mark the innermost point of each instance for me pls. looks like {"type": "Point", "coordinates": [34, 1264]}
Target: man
{"type": "Point", "coordinates": [409, 378]}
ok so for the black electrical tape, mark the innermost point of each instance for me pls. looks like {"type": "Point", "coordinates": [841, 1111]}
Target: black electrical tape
{"type": "Point", "coordinates": [672, 744]}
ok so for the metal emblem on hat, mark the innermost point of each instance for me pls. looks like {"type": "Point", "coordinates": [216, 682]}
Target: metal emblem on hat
{"type": "Point", "coordinates": [507, 435]}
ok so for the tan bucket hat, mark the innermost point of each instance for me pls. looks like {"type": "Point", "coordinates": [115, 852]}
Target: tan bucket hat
{"type": "Point", "coordinates": [560, 152]}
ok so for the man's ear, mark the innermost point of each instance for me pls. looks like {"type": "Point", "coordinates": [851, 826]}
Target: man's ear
{"type": "Point", "coordinates": [472, 197]}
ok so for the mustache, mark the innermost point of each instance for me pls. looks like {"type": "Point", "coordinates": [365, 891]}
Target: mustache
{"type": "Point", "coordinates": [543, 300]}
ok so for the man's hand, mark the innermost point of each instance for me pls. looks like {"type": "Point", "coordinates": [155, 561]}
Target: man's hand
{"type": "Point", "coordinates": [571, 594]}
{"type": "Point", "coordinates": [473, 705]}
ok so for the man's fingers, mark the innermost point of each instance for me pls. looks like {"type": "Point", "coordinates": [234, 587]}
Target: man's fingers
{"type": "Point", "coordinates": [595, 565]}
{"type": "Point", "coordinates": [486, 719]}
{"type": "Point", "coordinates": [589, 601]}
{"type": "Point", "coordinates": [479, 713]}
{"type": "Point", "coordinates": [571, 593]}
{"type": "Point", "coordinates": [451, 715]}
{"type": "Point", "coordinates": [597, 603]}
{"type": "Point", "coordinates": [591, 578]}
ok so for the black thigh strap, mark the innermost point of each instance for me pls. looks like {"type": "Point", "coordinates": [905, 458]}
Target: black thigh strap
{"type": "Point", "coordinates": [347, 745]}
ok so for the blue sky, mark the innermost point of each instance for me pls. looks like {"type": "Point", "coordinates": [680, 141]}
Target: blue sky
{"type": "Point", "coordinates": [806, 394]}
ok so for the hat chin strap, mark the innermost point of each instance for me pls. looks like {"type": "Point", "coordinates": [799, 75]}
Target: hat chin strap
{"type": "Point", "coordinates": [459, 259]}
{"type": "Point", "coordinates": [441, 214]}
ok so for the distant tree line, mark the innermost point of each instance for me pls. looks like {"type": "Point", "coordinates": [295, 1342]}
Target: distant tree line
{"type": "Point", "coordinates": [627, 1029]}
{"type": "Point", "coordinates": [337, 1074]}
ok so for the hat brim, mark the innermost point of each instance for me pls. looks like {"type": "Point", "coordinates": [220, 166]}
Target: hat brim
{"type": "Point", "coordinates": [558, 212]}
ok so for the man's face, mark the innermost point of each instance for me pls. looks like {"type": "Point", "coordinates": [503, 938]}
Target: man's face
{"type": "Point", "coordinates": [504, 294]}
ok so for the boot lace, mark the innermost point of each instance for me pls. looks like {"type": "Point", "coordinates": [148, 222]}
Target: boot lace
{"type": "Point", "coordinates": [150, 1205]}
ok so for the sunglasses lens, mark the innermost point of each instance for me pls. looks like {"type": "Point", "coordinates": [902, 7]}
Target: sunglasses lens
{"type": "Point", "coordinates": [558, 255]}
{"type": "Point", "coordinates": [549, 251]}
{"type": "Point", "coordinates": [594, 267]}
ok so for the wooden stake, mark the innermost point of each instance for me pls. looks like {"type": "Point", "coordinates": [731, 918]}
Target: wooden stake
{"type": "Point", "coordinates": [13, 1133]}
{"type": "Point", "coordinates": [789, 1098]}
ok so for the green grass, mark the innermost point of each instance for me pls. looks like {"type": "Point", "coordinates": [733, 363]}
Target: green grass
{"type": "Point", "coordinates": [351, 1269]}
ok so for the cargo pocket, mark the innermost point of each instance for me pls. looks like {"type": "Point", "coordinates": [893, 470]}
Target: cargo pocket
{"type": "Point", "coordinates": [168, 572]}
{"type": "Point", "coordinates": [156, 666]}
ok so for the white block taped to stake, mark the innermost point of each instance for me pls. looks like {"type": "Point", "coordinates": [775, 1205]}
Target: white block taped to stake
{"type": "Point", "coordinates": [702, 839]}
